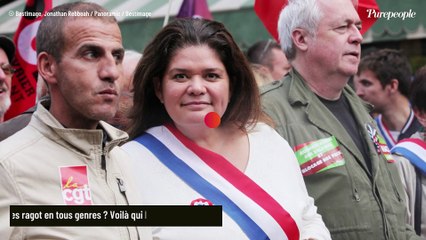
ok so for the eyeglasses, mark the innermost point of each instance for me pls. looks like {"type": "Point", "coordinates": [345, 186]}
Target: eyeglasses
{"type": "Point", "coordinates": [7, 69]}
{"type": "Point", "coordinates": [265, 49]}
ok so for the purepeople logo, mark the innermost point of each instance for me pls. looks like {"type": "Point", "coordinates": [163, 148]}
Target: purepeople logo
{"type": "Point", "coordinates": [372, 13]}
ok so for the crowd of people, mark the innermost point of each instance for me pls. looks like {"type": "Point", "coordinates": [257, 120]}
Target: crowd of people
{"type": "Point", "coordinates": [295, 154]}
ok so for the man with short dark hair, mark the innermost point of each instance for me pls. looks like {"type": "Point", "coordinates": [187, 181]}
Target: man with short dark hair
{"type": "Point", "coordinates": [68, 155]}
{"type": "Point", "coordinates": [383, 79]}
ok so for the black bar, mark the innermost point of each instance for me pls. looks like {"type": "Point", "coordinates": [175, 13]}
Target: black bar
{"type": "Point", "coordinates": [105, 215]}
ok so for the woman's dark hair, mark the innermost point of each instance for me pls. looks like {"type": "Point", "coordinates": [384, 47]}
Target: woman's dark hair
{"type": "Point", "coordinates": [244, 106]}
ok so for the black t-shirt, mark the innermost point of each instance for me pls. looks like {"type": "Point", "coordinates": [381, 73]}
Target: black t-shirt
{"type": "Point", "coordinates": [343, 112]}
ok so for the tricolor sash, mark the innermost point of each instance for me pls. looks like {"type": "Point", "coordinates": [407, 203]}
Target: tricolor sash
{"type": "Point", "coordinates": [390, 141]}
{"type": "Point", "coordinates": [258, 214]}
{"type": "Point", "coordinates": [414, 150]}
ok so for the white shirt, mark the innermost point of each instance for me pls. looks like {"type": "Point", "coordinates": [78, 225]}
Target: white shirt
{"type": "Point", "coordinates": [272, 165]}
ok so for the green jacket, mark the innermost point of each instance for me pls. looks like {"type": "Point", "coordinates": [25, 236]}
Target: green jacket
{"type": "Point", "coordinates": [354, 203]}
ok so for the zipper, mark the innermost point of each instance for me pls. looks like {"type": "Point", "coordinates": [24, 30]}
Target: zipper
{"type": "Point", "coordinates": [122, 188]}
{"type": "Point", "coordinates": [103, 161]}
{"type": "Point", "coordinates": [103, 153]}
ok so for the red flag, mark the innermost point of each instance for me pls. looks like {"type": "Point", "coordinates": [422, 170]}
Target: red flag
{"type": "Point", "coordinates": [194, 9]}
{"type": "Point", "coordinates": [363, 7]}
{"type": "Point", "coordinates": [24, 81]}
{"type": "Point", "coordinates": [269, 12]}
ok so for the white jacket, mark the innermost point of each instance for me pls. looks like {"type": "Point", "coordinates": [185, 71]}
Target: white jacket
{"type": "Point", "coordinates": [30, 164]}
{"type": "Point", "coordinates": [272, 165]}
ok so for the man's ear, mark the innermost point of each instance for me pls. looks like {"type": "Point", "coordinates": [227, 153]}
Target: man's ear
{"type": "Point", "coordinates": [299, 37]}
{"type": "Point", "coordinates": [47, 66]}
{"type": "Point", "coordinates": [394, 85]}
{"type": "Point", "coordinates": [158, 90]}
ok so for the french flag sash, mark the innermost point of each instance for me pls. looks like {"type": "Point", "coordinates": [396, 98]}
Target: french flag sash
{"type": "Point", "coordinates": [390, 141]}
{"type": "Point", "coordinates": [258, 214]}
{"type": "Point", "coordinates": [414, 150]}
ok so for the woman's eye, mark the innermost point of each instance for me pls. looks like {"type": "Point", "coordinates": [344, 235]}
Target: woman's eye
{"type": "Point", "coordinates": [212, 76]}
{"type": "Point", "coordinates": [179, 76]}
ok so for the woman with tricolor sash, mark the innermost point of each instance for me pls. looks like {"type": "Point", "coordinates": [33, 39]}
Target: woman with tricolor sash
{"type": "Point", "coordinates": [410, 154]}
{"type": "Point", "coordinates": [198, 139]}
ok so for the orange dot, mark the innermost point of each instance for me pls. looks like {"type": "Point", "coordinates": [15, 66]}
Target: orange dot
{"type": "Point", "coordinates": [212, 120]}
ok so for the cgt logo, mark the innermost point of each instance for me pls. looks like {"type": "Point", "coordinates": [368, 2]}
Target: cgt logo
{"type": "Point", "coordinates": [75, 185]}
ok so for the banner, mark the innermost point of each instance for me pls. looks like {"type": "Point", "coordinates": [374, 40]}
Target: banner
{"type": "Point", "coordinates": [269, 12]}
{"type": "Point", "coordinates": [24, 81]}
{"type": "Point", "coordinates": [194, 9]}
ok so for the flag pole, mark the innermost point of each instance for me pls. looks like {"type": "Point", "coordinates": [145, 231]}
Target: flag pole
{"type": "Point", "coordinates": [166, 18]}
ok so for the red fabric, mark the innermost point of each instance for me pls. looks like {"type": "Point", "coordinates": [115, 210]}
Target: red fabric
{"type": "Point", "coordinates": [195, 9]}
{"type": "Point", "coordinates": [363, 6]}
{"type": "Point", "coordinates": [24, 81]}
{"type": "Point", "coordinates": [269, 11]}
{"type": "Point", "coordinates": [243, 183]}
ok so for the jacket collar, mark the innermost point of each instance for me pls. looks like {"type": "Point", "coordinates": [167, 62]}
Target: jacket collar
{"type": "Point", "coordinates": [300, 92]}
{"type": "Point", "coordinates": [82, 140]}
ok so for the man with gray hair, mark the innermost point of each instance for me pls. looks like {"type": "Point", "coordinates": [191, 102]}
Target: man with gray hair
{"type": "Point", "coordinates": [67, 149]}
{"type": "Point", "coordinates": [346, 168]}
